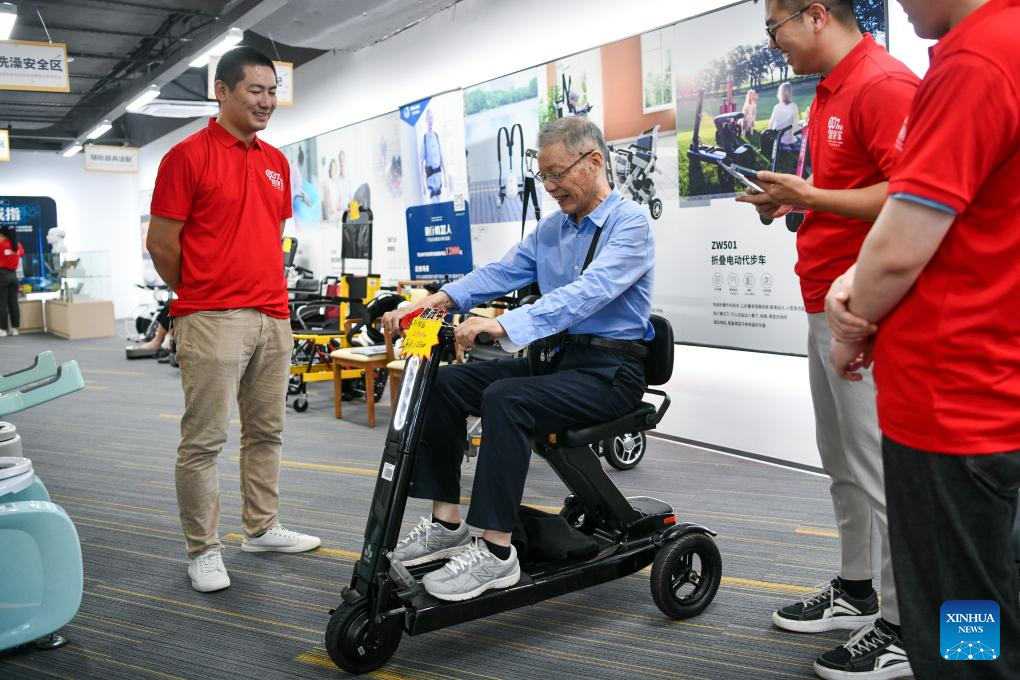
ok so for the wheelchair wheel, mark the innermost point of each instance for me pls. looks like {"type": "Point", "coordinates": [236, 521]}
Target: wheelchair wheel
{"type": "Point", "coordinates": [686, 575]}
{"type": "Point", "coordinates": [656, 208]}
{"type": "Point", "coordinates": [624, 451]}
{"type": "Point", "coordinates": [350, 643]}
{"type": "Point", "coordinates": [301, 405]}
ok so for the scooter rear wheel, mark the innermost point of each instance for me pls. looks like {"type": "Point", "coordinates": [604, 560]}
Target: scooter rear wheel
{"type": "Point", "coordinates": [350, 643]}
{"type": "Point", "coordinates": [686, 576]}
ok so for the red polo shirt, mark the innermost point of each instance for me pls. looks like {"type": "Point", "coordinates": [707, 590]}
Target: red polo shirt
{"type": "Point", "coordinates": [858, 111]}
{"type": "Point", "coordinates": [9, 256]}
{"type": "Point", "coordinates": [947, 359]}
{"type": "Point", "coordinates": [231, 199]}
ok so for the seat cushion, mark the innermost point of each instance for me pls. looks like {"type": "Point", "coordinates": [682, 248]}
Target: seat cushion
{"type": "Point", "coordinates": [635, 421]}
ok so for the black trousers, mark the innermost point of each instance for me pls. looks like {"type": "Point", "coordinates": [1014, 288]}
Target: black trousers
{"type": "Point", "coordinates": [950, 519]}
{"type": "Point", "coordinates": [589, 385]}
{"type": "Point", "coordinates": [9, 299]}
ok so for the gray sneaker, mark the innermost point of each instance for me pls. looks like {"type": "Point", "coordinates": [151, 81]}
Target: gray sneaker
{"type": "Point", "coordinates": [430, 541]}
{"type": "Point", "coordinates": [471, 572]}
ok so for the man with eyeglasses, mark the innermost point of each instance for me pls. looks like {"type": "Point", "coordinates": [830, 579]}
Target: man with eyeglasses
{"type": "Point", "coordinates": [593, 262]}
{"type": "Point", "coordinates": [860, 104]}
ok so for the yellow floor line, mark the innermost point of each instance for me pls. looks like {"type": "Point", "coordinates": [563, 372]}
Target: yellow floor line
{"type": "Point", "coordinates": [332, 552]}
{"type": "Point", "coordinates": [807, 531]}
{"type": "Point", "coordinates": [96, 501]}
{"type": "Point", "coordinates": [116, 623]}
{"type": "Point", "coordinates": [104, 633]}
{"type": "Point", "coordinates": [766, 585]}
{"type": "Point", "coordinates": [319, 657]}
{"type": "Point", "coordinates": [98, 371]}
{"type": "Point", "coordinates": [322, 467]}
{"type": "Point", "coordinates": [326, 662]}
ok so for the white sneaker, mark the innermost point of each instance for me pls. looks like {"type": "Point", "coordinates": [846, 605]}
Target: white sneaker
{"type": "Point", "coordinates": [208, 573]}
{"type": "Point", "coordinates": [282, 540]}
{"type": "Point", "coordinates": [3, 333]}
{"type": "Point", "coordinates": [13, 331]}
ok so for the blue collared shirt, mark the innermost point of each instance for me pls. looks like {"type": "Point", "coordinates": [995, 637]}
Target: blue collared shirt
{"type": "Point", "coordinates": [613, 298]}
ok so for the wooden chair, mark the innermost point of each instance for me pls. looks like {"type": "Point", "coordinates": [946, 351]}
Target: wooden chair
{"type": "Point", "coordinates": [347, 358]}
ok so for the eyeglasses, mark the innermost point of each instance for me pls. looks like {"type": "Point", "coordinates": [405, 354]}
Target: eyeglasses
{"type": "Point", "coordinates": [555, 177]}
{"type": "Point", "coordinates": [774, 28]}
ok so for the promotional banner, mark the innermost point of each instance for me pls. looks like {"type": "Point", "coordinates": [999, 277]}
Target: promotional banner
{"type": "Point", "coordinates": [501, 121]}
{"type": "Point", "coordinates": [32, 217]}
{"type": "Point", "coordinates": [5, 145]}
{"type": "Point", "coordinates": [435, 177]}
{"type": "Point", "coordinates": [100, 158]}
{"type": "Point", "coordinates": [737, 104]}
{"type": "Point", "coordinates": [36, 66]}
{"type": "Point", "coordinates": [362, 163]}
{"type": "Point", "coordinates": [439, 241]}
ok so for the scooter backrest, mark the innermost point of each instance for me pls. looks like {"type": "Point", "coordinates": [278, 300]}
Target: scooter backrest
{"type": "Point", "coordinates": [659, 361]}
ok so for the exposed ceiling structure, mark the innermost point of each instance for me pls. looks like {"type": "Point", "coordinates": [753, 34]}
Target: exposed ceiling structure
{"type": "Point", "coordinates": [119, 47]}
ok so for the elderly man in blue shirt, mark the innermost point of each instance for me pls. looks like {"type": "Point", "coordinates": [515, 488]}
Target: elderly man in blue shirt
{"type": "Point", "coordinates": [602, 312]}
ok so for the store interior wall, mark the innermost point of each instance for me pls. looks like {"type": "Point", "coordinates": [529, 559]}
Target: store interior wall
{"type": "Point", "coordinates": [98, 210]}
{"type": "Point", "coordinates": [744, 401]}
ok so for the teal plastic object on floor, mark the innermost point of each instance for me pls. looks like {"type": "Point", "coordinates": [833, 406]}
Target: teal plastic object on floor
{"type": "Point", "coordinates": [40, 571]}
{"type": "Point", "coordinates": [44, 366]}
{"type": "Point", "coordinates": [36, 491]}
{"type": "Point", "coordinates": [67, 379]}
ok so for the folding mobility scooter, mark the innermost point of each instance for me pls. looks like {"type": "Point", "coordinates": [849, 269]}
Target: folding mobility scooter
{"type": "Point", "coordinates": [385, 598]}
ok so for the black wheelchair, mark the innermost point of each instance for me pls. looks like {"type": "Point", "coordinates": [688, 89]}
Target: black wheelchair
{"type": "Point", "coordinates": [385, 598]}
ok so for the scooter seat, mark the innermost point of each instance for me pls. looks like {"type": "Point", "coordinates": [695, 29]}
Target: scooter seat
{"type": "Point", "coordinates": [635, 421]}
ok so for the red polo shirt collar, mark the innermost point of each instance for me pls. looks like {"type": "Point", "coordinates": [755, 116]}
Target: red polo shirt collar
{"type": "Point", "coordinates": [846, 66]}
{"type": "Point", "coordinates": [220, 134]}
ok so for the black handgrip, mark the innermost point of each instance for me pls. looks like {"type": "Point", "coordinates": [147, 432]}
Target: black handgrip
{"type": "Point", "coordinates": [765, 220]}
{"type": "Point", "coordinates": [484, 338]}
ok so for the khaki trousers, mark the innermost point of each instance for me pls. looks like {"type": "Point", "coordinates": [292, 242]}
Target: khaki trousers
{"type": "Point", "coordinates": [225, 355]}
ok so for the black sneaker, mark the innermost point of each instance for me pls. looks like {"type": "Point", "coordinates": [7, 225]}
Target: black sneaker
{"type": "Point", "coordinates": [874, 652]}
{"type": "Point", "coordinates": [828, 609]}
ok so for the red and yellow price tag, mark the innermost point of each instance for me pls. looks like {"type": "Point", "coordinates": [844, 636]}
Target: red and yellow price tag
{"type": "Point", "coordinates": [422, 334]}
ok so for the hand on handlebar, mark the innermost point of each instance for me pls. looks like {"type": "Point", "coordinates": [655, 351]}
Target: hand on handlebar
{"type": "Point", "coordinates": [469, 330]}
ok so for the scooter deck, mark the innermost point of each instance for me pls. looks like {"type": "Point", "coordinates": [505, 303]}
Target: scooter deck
{"type": "Point", "coordinates": [539, 581]}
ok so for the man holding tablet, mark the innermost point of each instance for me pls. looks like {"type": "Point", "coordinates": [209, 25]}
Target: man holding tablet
{"type": "Point", "coordinates": [861, 101]}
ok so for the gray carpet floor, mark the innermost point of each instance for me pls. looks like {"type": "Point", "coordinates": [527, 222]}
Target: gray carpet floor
{"type": "Point", "coordinates": [107, 456]}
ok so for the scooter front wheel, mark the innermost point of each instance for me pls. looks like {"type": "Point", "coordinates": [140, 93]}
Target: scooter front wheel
{"type": "Point", "coordinates": [686, 575]}
{"type": "Point", "coordinates": [353, 645]}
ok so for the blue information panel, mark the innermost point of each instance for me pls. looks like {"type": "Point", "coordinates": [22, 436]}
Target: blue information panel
{"type": "Point", "coordinates": [439, 241]}
{"type": "Point", "coordinates": [32, 217]}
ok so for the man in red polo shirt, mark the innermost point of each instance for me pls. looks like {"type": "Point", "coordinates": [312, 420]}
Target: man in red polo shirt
{"type": "Point", "coordinates": [938, 275]}
{"type": "Point", "coordinates": [859, 107]}
{"type": "Point", "coordinates": [218, 209]}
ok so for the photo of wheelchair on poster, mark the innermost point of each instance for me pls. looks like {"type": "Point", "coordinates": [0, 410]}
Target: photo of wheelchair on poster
{"type": "Point", "coordinates": [738, 102]}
